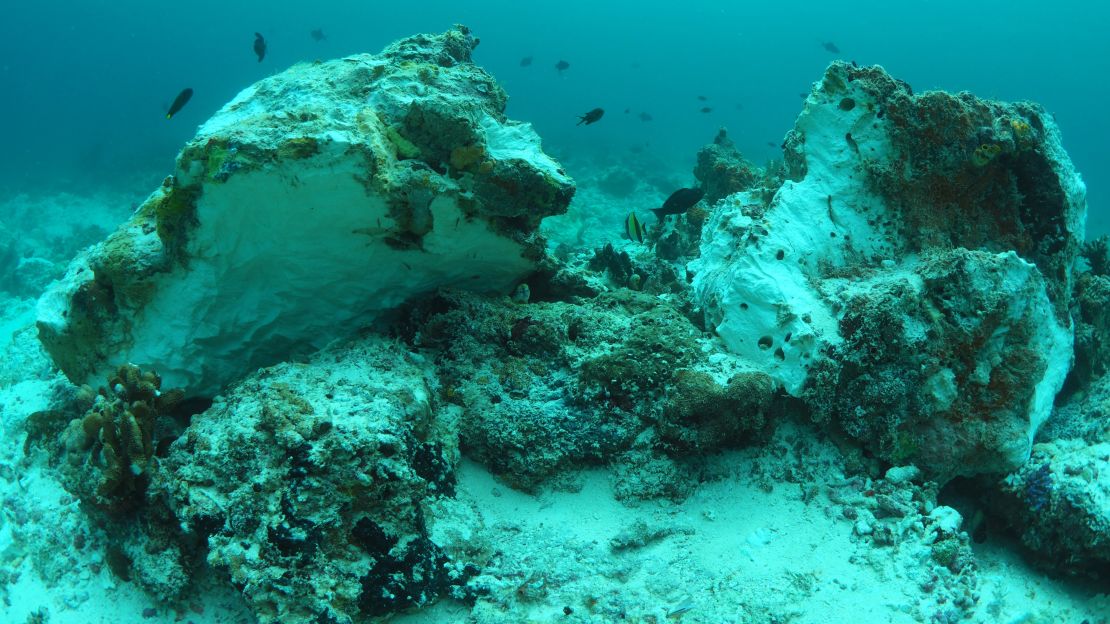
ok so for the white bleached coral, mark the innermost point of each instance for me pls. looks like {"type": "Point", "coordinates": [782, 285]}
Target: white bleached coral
{"type": "Point", "coordinates": [915, 292]}
{"type": "Point", "coordinates": [313, 202]}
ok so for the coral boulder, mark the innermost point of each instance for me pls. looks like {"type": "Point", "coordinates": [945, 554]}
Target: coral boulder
{"type": "Point", "coordinates": [313, 202]}
{"type": "Point", "coordinates": [912, 277]}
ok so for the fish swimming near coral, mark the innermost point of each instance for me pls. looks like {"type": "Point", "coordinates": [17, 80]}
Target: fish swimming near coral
{"type": "Point", "coordinates": [633, 229]}
{"type": "Point", "coordinates": [317, 34]}
{"type": "Point", "coordinates": [526, 61]}
{"type": "Point", "coordinates": [562, 66]}
{"type": "Point", "coordinates": [590, 117]}
{"type": "Point", "coordinates": [179, 102]}
{"type": "Point", "coordinates": [679, 202]}
{"type": "Point", "coordinates": [830, 46]}
{"type": "Point", "coordinates": [259, 46]}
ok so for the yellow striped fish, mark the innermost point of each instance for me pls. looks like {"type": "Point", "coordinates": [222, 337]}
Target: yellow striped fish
{"type": "Point", "coordinates": [634, 229]}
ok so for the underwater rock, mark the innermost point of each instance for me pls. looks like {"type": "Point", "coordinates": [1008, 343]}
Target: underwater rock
{"type": "Point", "coordinates": [940, 364]}
{"type": "Point", "coordinates": [1059, 503]}
{"type": "Point", "coordinates": [314, 201]}
{"type": "Point", "coordinates": [1092, 328]}
{"type": "Point", "coordinates": [887, 192]}
{"type": "Point", "coordinates": [549, 387]}
{"type": "Point", "coordinates": [307, 485]}
{"type": "Point", "coordinates": [723, 170]}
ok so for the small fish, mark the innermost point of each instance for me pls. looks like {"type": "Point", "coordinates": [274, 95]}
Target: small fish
{"type": "Point", "coordinates": [739, 106]}
{"type": "Point", "coordinates": [259, 46]}
{"type": "Point", "coordinates": [179, 102]}
{"type": "Point", "coordinates": [561, 66]}
{"type": "Point", "coordinates": [851, 142]}
{"type": "Point", "coordinates": [526, 61]}
{"type": "Point", "coordinates": [645, 116]}
{"type": "Point", "coordinates": [627, 110]}
{"type": "Point", "coordinates": [771, 144]}
{"type": "Point", "coordinates": [679, 202]}
{"type": "Point", "coordinates": [590, 117]}
{"type": "Point", "coordinates": [803, 95]}
{"type": "Point", "coordinates": [634, 229]}
{"type": "Point", "coordinates": [707, 109]}
{"type": "Point", "coordinates": [703, 98]}
{"type": "Point", "coordinates": [830, 46]}
{"type": "Point", "coordinates": [317, 34]}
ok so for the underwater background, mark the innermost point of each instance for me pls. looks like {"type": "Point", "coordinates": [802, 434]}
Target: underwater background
{"type": "Point", "coordinates": [483, 383]}
{"type": "Point", "coordinates": [86, 83]}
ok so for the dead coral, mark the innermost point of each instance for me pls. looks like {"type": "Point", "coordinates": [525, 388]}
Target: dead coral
{"type": "Point", "coordinates": [722, 170]}
{"type": "Point", "coordinates": [702, 415]}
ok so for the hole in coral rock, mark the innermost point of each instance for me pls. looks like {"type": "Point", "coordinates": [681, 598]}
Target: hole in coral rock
{"type": "Point", "coordinates": [765, 342]}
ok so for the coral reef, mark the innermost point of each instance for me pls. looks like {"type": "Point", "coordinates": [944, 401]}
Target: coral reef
{"type": "Point", "coordinates": [940, 366]}
{"type": "Point", "coordinates": [110, 449]}
{"type": "Point", "coordinates": [306, 486]}
{"type": "Point", "coordinates": [843, 287]}
{"type": "Point", "coordinates": [311, 204]}
{"type": "Point", "coordinates": [1059, 504]}
{"type": "Point", "coordinates": [722, 170]}
{"type": "Point", "coordinates": [1092, 328]}
{"type": "Point", "coordinates": [549, 386]}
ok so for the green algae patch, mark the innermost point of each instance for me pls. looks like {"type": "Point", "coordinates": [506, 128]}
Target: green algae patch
{"type": "Point", "coordinates": [404, 148]}
{"type": "Point", "coordinates": [298, 148]}
{"type": "Point", "coordinates": [219, 158]}
{"type": "Point", "coordinates": [176, 214]}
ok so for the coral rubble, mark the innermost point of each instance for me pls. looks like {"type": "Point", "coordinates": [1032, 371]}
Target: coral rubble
{"type": "Point", "coordinates": [314, 201]}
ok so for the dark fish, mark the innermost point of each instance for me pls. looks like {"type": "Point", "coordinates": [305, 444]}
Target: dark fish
{"type": "Point", "coordinates": [739, 106]}
{"type": "Point", "coordinates": [645, 117]}
{"type": "Point", "coordinates": [590, 117]}
{"type": "Point", "coordinates": [707, 109]}
{"type": "Point", "coordinates": [803, 95]}
{"type": "Point", "coordinates": [830, 46]}
{"type": "Point", "coordinates": [179, 102]}
{"type": "Point", "coordinates": [526, 61]}
{"type": "Point", "coordinates": [627, 110]}
{"type": "Point", "coordinates": [679, 202]}
{"type": "Point", "coordinates": [633, 229]}
{"type": "Point", "coordinates": [771, 144]}
{"type": "Point", "coordinates": [259, 46]}
{"type": "Point", "coordinates": [702, 98]}
{"type": "Point", "coordinates": [317, 35]}
{"type": "Point", "coordinates": [561, 66]}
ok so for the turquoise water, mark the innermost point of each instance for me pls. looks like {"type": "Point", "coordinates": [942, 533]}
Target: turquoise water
{"type": "Point", "coordinates": [86, 84]}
